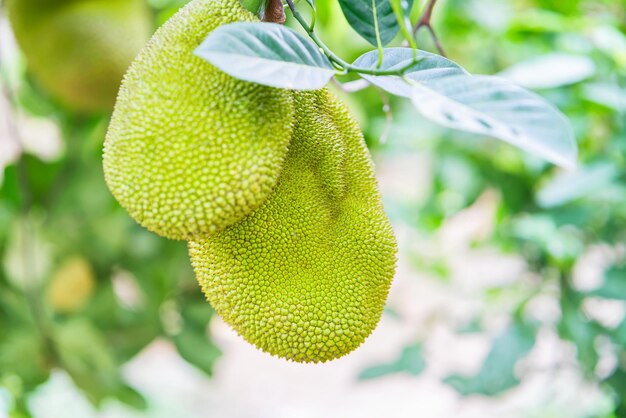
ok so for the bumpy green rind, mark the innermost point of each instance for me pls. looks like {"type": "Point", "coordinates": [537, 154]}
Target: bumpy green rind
{"type": "Point", "coordinates": [306, 276]}
{"type": "Point", "coordinates": [191, 150]}
{"type": "Point", "coordinates": [79, 50]}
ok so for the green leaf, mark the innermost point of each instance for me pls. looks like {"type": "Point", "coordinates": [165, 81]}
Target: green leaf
{"type": "Point", "coordinates": [365, 15]}
{"type": "Point", "coordinates": [480, 104]}
{"type": "Point", "coordinates": [428, 67]}
{"type": "Point", "coordinates": [618, 334]}
{"type": "Point", "coordinates": [617, 382]}
{"type": "Point", "coordinates": [27, 242]}
{"type": "Point", "coordinates": [194, 346]}
{"type": "Point", "coordinates": [131, 397]}
{"type": "Point", "coordinates": [607, 94]}
{"type": "Point", "coordinates": [193, 343]}
{"type": "Point", "coordinates": [494, 107]}
{"type": "Point", "coordinates": [84, 355]}
{"type": "Point", "coordinates": [254, 6]}
{"type": "Point", "coordinates": [411, 361]}
{"type": "Point", "coordinates": [404, 21]}
{"type": "Point", "coordinates": [577, 328]}
{"type": "Point", "coordinates": [23, 354]}
{"type": "Point", "coordinates": [377, 371]}
{"type": "Point", "coordinates": [550, 71]}
{"type": "Point", "coordinates": [570, 186]}
{"type": "Point", "coordinates": [267, 53]}
{"type": "Point", "coordinates": [20, 407]}
{"type": "Point", "coordinates": [497, 372]}
{"type": "Point", "coordinates": [197, 314]}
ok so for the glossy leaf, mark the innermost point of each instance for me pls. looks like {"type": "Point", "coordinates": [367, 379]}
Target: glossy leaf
{"type": "Point", "coordinates": [429, 67]}
{"type": "Point", "coordinates": [268, 54]}
{"type": "Point", "coordinates": [411, 361]}
{"type": "Point", "coordinates": [366, 15]}
{"type": "Point", "coordinates": [497, 372]}
{"type": "Point", "coordinates": [484, 105]}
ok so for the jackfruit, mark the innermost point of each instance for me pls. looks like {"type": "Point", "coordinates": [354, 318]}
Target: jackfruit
{"type": "Point", "coordinates": [305, 276]}
{"type": "Point", "coordinates": [191, 150]}
{"type": "Point", "coordinates": [79, 50]}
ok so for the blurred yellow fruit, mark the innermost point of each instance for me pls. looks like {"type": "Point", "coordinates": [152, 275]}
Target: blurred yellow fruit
{"type": "Point", "coordinates": [79, 50]}
{"type": "Point", "coordinates": [71, 286]}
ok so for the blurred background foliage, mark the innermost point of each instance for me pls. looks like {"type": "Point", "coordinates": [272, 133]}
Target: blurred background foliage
{"type": "Point", "coordinates": [83, 289]}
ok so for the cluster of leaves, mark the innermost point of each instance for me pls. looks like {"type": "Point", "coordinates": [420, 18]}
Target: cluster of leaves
{"type": "Point", "coordinates": [554, 219]}
{"type": "Point", "coordinates": [83, 289]}
{"type": "Point", "coordinates": [440, 89]}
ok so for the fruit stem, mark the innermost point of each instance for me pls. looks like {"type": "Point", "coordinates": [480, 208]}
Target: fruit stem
{"type": "Point", "coordinates": [274, 12]}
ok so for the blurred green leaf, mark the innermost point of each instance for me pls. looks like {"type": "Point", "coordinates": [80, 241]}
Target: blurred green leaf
{"type": "Point", "coordinates": [195, 347]}
{"type": "Point", "coordinates": [254, 6]}
{"type": "Point", "coordinates": [23, 354]}
{"type": "Point", "coordinates": [612, 42]}
{"type": "Point", "coordinates": [411, 361]}
{"type": "Point", "coordinates": [131, 397]}
{"type": "Point", "coordinates": [27, 259]}
{"type": "Point", "coordinates": [617, 382]}
{"type": "Point", "coordinates": [560, 244]}
{"type": "Point", "coordinates": [568, 186]}
{"type": "Point", "coordinates": [606, 94]}
{"type": "Point", "coordinates": [577, 328]}
{"type": "Point", "coordinates": [497, 373]}
{"type": "Point", "coordinates": [83, 353]}
{"type": "Point", "coordinates": [550, 71]}
{"type": "Point", "coordinates": [193, 343]}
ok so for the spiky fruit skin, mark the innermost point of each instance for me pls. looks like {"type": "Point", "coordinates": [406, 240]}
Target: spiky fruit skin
{"type": "Point", "coordinates": [79, 50]}
{"type": "Point", "coordinates": [306, 276]}
{"type": "Point", "coordinates": [191, 150]}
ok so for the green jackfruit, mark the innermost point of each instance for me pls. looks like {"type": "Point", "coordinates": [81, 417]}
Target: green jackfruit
{"type": "Point", "coordinates": [305, 276]}
{"type": "Point", "coordinates": [79, 50]}
{"type": "Point", "coordinates": [191, 150]}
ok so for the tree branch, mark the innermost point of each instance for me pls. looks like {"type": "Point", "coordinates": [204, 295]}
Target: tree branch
{"type": "Point", "coordinates": [425, 22]}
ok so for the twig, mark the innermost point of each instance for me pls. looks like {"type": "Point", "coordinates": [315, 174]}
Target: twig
{"type": "Point", "coordinates": [426, 16]}
{"type": "Point", "coordinates": [425, 22]}
{"type": "Point", "coordinates": [334, 58]}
